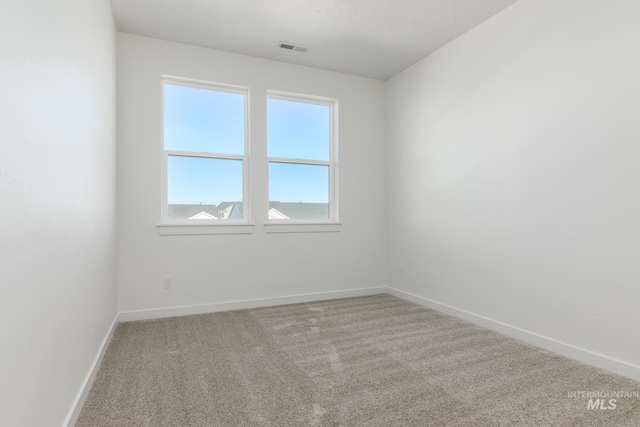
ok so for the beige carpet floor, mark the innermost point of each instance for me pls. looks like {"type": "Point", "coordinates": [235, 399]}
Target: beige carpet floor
{"type": "Point", "coordinates": [367, 361]}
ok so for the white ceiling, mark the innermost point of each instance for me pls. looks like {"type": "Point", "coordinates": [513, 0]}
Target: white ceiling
{"type": "Point", "coordinates": [372, 38]}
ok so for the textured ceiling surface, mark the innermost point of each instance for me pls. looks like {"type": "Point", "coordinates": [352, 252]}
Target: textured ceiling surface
{"type": "Point", "coordinates": [371, 38]}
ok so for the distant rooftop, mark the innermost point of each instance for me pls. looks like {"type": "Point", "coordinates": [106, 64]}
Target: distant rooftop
{"type": "Point", "coordinates": [178, 211]}
{"type": "Point", "coordinates": [233, 210]}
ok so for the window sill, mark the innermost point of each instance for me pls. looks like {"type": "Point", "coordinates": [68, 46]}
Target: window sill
{"type": "Point", "coordinates": [194, 229]}
{"type": "Point", "coordinates": [292, 227]}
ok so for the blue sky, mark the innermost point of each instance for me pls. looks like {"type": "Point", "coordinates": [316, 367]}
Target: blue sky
{"type": "Point", "coordinates": [212, 121]}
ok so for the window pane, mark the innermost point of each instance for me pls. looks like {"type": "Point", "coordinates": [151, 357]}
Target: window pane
{"type": "Point", "coordinates": [298, 130]}
{"type": "Point", "coordinates": [203, 120]}
{"type": "Point", "coordinates": [298, 191]}
{"type": "Point", "coordinates": [200, 188]}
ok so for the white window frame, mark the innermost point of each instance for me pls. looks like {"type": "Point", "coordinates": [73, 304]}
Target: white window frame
{"type": "Point", "coordinates": [314, 225]}
{"type": "Point", "coordinates": [169, 226]}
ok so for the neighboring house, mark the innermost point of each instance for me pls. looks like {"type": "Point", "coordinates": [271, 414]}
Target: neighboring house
{"type": "Point", "coordinates": [230, 210]}
{"type": "Point", "coordinates": [233, 210]}
{"type": "Point", "coordinates": [276, 214]}
{"type": "Point", "coordinates": [278, 210]}
{"type": "Point", "coordinates": [203, 215]}
{"type": "Point", "coordinates": [196, 211]}
{"type": "Point", "coordinates": [292, 210]}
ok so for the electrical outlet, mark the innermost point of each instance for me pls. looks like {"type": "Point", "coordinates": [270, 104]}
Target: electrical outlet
{"type": "Point", "coordinates": [168, 282]}
{"type": "Point", "coordinates": [400, 270]}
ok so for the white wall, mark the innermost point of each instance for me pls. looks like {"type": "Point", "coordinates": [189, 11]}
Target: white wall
{"type": "Point", "coordinates": [514, 174]}
{"type": "Point", "coordinates": [214, 269]}
{"type": "Point", "coordinates": [57, 202]}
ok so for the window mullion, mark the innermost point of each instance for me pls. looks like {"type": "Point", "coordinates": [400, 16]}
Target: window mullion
{"type": "Point", "coordinates": [299, 161]}
{"type": "Point", "coordinates": [205, 154]}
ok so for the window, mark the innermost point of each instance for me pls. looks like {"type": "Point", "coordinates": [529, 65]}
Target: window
{"type": "Point", "coordinates": [205, 161]}
{"type": "Point", "coordinates": [301, 150]}
{"type": "Point", "coordinates": [204, 153]}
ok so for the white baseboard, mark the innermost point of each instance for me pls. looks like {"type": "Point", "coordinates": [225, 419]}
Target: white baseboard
{"type": "Point", "coordinates": [74, 412]}
{"type": "Point", "coordinates": [559, 347]}
{"type": "Point", "coordinates": [128, 316]}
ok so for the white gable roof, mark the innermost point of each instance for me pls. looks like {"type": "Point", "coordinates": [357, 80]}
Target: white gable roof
{"type": "Point", "coordinates": [203, 215]}
{"type": "Point", "coordinates": [276, 214]}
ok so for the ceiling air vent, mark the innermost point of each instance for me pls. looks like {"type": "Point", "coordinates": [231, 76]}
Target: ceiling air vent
{"type": "Point", "coordinates": [293, 47]}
